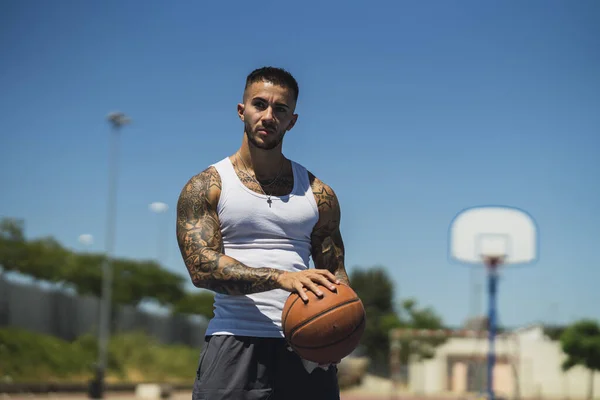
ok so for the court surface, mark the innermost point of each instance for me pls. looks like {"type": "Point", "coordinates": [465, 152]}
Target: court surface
{"type": "Point", "coordinates": [188, 396]}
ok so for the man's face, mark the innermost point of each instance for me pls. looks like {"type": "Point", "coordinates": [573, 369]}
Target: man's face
{"type": "Point", "coordinates": [267, 113]}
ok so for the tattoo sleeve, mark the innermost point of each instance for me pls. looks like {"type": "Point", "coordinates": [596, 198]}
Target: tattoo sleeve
{"type": "Point", "coordinates": [201, 244]}
{"type": "Point", "coordinates": [326, 239]}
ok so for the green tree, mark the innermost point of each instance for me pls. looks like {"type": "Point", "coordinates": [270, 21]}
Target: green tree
{"type": "Point", "coordinates": [83, 272]}
{"type": "Point", "coordinates": [199, 303]}
{"type": "Point", "coordinates": [157, 283]}
{"type": "Point", "coordinates": [554, 331]}
{"type": "Point", "coordinates": [414, 317]}
{"type": "Point", "coordinates": [46, 259]}
{"type": "Point", "coordinates": [376, 289]}
{"type": "Point", "coordinates": [12, 228]}
{"type": "Point", "coordinates": [133, 280]}
{"type": "Point", "coordinates": [581, 344]}
{"type": "Point", "coordinates": [12, 243]}
{"type": "Point", "coordinates": [40, 259]}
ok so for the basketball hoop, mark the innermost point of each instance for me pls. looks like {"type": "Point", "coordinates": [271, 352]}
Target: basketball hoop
{"type": "Point", "coordinates": [493, 236]}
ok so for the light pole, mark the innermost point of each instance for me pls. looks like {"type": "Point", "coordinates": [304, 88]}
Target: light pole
{"type": "Point", "coordinates": [160, 208]}
{"type": "Point", "coordinates": [116, 120]}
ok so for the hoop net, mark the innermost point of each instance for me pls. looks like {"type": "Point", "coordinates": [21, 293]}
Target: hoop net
{"type": "Point", "coordinates": [493, 262]}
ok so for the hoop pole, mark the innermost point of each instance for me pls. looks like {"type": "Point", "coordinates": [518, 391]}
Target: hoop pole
{"type": "Point", "coordinates": [492, 292]}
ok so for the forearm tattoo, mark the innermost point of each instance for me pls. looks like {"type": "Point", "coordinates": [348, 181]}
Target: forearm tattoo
{"type": "Point", "coordinates": [326, 239]}
{"type": "Point", "coordinates": [201, 244]}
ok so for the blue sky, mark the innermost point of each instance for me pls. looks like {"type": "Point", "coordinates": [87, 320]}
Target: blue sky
{"type": "Point", "coordinates": [411, 111]}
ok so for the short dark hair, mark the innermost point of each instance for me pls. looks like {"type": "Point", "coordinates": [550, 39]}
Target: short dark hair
{"type": "Point", "coordinates": [277, 76]}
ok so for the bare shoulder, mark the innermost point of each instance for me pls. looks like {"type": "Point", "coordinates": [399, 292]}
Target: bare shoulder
{"type": "Point", "coordinates": [327, 245]}
{"type": "Point", "coordinates": [325, 196]}
{"type": "Point", "coordinates": [201, 191]}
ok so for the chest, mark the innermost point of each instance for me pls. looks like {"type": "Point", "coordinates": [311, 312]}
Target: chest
{"type": "Point", "coordinates": [282, 186]}
{"type": "Point", "coordinates": [249, 215]}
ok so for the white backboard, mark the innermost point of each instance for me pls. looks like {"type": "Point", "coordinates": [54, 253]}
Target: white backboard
{"type": "Point", "coordinates": [493, 231]}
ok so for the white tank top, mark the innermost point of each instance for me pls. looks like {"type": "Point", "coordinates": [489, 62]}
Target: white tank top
{"type": "Point", "coordinates": [259, 235]}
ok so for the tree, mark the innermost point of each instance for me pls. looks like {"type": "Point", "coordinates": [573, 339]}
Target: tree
{"type": "Point", "coordinates": [414, 317]}
{"type": "Point", "coordinates": [376, 291]}
{"type": "Point", "coordinates": [200, 303]}
{"type": "Point", "coordinates": [44, 259]}
{"type": "Point", "coordinates": [375, 288]}
{"type": "Point", "coordinates": [83, 272]}
{"type": "Point", "coordinates": [554, 332]}
{"type": "Point", "coordinates": [581, 344]}
{"type": "Point", "coordinates": [12, 229]}
{"type": "Point", "coordinates": [47, 260]}
{"type": "Point", "coordinates": [133, 280]}
{"type": "Point", "coordinates": [40, 259]}
{"type": "Point", "coordinates": [155, 282]}
{"type": "Point", "coordinates": [12, 243]}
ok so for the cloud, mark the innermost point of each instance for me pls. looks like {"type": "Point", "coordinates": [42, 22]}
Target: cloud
{"type": "Point", "coordinates": [86, 239]}
{"type": "Point", "coordinates": [158, 207]}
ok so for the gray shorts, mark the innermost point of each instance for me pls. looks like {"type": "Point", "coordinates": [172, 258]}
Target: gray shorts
{"type": "Point", "coordinates": [251, 368]}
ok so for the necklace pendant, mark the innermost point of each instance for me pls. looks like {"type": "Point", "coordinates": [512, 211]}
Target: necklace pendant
{"type": "Point", "coordinates": [269, 201]}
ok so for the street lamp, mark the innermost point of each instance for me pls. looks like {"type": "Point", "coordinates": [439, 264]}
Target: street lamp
{"type": "Point", "coordinates": [160, 208]}
{"type": "Point", "coordinates": [116, 120]}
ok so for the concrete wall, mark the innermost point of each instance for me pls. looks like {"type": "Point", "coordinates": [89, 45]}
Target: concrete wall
{"type": "Point", "coordinates": [541, 373]}
{"type": "Point", "coordinates": [528, 363]}
{"type": "Point", "coordinates": [56, 313]}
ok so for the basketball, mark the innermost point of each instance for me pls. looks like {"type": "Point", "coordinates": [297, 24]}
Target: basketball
{"type": "Point", "coordinates": [327, 329]}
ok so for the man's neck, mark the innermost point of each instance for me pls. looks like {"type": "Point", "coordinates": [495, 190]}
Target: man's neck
{"type": "Point", "coordinates": [266, 164]}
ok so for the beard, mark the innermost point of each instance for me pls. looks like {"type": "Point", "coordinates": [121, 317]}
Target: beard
{"type": "Point", "coordinates": [272, 143]}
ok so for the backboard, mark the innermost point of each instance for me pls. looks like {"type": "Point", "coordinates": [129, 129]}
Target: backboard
{"type": "Point", "coordinates": [493, 231]}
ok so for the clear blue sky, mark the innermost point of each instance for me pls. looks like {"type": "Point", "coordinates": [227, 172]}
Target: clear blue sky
{"type": "Point", "coordinates": [411, 111]}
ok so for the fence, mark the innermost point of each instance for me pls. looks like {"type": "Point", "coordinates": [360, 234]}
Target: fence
{"type": "Point", "coordinates": [66, 316]}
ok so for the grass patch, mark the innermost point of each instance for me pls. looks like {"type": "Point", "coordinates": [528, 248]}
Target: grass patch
{"type": "Point", "coordinates": [133, 357]}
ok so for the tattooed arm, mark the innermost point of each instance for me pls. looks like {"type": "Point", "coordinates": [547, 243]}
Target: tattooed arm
{"type": "Point", "coordinates": [201, 245]}
{"type": "Point", "coordinates": [327, 244]}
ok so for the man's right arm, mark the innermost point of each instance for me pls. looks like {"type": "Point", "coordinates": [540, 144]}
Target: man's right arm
{"type": "Point", "coordinates": [201, 244]}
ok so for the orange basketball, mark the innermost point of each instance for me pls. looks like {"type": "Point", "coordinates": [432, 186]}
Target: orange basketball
{"type": "Point", "coordinates": [326, 329]}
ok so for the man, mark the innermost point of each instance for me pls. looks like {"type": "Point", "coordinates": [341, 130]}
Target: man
{"type": "Point", "coordinates": [246, 228]}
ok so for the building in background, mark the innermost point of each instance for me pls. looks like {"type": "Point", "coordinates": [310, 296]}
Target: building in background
{"type": "Point", "coordinates": [528, 366]}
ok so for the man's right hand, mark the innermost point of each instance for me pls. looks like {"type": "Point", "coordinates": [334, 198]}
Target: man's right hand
{"type": "Point", "coordinates": [308, 279]}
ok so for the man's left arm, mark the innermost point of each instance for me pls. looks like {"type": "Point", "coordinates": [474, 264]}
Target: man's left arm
{"type": "Point", "coordinates": [326, 239]}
